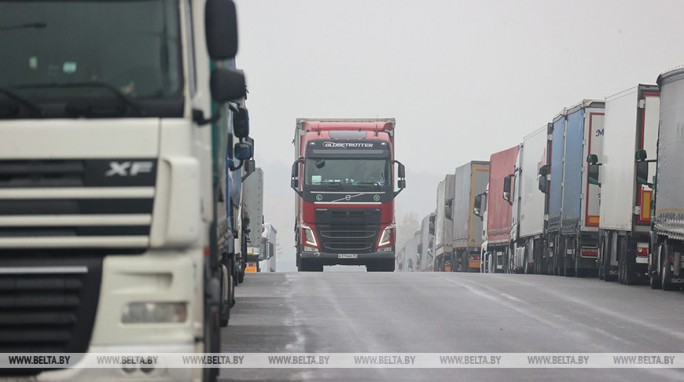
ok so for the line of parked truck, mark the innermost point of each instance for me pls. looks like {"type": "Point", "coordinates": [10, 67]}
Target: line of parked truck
{"type": "Point", "coordinates": [598, 191]}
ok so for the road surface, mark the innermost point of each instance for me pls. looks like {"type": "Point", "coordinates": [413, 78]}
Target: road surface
{"type": "Point", "coordinates": [450, 313]}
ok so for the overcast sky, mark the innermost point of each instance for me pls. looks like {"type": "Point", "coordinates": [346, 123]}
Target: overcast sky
{"type": "Point", "coordinates": [464, 79]}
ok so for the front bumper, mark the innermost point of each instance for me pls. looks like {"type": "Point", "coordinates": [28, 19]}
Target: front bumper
{"type": "Point", "coordinates": [324, 258]}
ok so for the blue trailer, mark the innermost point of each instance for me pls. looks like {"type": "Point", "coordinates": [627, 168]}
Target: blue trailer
{"type": "Point", "coordinates": [573, 203]}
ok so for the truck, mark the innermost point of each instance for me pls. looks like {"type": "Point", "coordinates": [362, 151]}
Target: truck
{"type": "Point", "coordinates": [443, 226]}
{"type": "Point", "coordinates": [631, 124]}
{"type": "Point", "coordinates": [267, 254]}
{"type": "Point", "coordinates": [252, 215]}
{"type": "Point", "coordinates": [111, 161]}
{"type": "Point", "coordinates": [665, 265]}
{"type": "Point", "coordinates": [573, 210]}
{"type": "Point", "coordinates": [528, 204]}
{"type": "Point", "coordinates": [470, 180]}
{"type": "Point", "coordinates": [427, 243]}
{"type": "Point", "coordinates": [344, 178]}
{"type": "Point", "coordinates": [496, 212]}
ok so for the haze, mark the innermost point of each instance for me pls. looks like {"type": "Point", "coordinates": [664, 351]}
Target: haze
{"type": "Point", "coordinates": [464, 79]}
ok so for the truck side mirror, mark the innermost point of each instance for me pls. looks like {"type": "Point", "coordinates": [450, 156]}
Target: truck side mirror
{"type": "Point", "coordinates": [476, 205]}
{"type": "Point", "coordinates": [543, 184]}
{"type": "Point", "coordinates": [642, 172]}
{"type": "Point", "coordinates": [241, 123]}
{"type": "Point", "coordinates": [243, 151]}
{"type": "Point", "coordinates": [221, 31]}
{"type": "Point", "coordinates": [592, 159]}
{"type": "Point", "coordinates": [294, 175]}
{"type": "Point", "coordinates": [507, 189]}
{"type": "Point", "coordinates": [594, 174]}
{"type": "Point", "coordinates": [401, 174]}
{"type": "Point", "coordinates": [227, 85]}
{"type": "Point", "coordinates": [249, 167]}
{"type": "Point", "coordinates": [544, 170]}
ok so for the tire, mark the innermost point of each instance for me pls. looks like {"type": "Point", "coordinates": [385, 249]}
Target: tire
{"type": "Point", "coordinates": [386, 266]}
{"type": "Point", "coordinates": [225, 306]}
{"type": "Point", "coordinates": [665, 273]}
{"type": "Point", "coordinates": [212, 339]}
{"type": "Point", "coordinates": [241, 276]}
{"type": "Point", "coordinates": [308, 266]}
{"type": "Point", "coordinates": [653, 272]}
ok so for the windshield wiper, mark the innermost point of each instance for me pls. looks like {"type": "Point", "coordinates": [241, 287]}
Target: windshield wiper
{"type": "Point", "coordinates": [35, 109]}
{"type": "Point", "coordinates": [99, 85]}
{"type": "Point", "coordinates": [376, 184]}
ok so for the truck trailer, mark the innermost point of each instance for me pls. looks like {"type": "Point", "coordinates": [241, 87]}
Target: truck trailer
{"type": "Point", "coordinates": [496, 212]}
{"type": "Point", "coordinates": [666, 266]}
{"type": "Point", "coordinates": [470, 180]}
{"type": "Point", "coordinates": [573, 211]}
{"type": "Point", "coordinates": [427, 243]}
{"type": "Point", "coordinates": [443, 229]}
{"type": "Point", "coordinates": [528, 204]}
{"type": "Point", "coordinates": [111, 163]}
{"type": "Point", "coordinates": [344, 177]}
{"type": "Point", "coordinates": [631, 124]}
{"type": "Point", "coordinates": [267, 254]}
{"type": "Point", "coordinates": [252, 214]}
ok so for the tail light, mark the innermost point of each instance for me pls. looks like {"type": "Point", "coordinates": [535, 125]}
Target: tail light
{"type": "Point", "coordinates": [642, 249]}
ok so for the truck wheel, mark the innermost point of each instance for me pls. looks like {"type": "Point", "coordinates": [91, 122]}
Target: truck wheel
{"type": "Point", "coordinates": [385, 266]}
{"type": "Point", "coordinates": [653, 275]}
{"type": "Point", "coordinates": [212, 339]}
{"type": "Point", "coordinates": [308, 266]}
{"type": "Point", "coordinates": [241, 276]}
{"type": "Point", "coordinates": [226, 300]}
{"type": "Point", "coordinates": [665, 273]}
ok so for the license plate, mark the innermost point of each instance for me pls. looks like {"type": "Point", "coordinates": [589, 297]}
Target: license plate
{"type": "Point", "coordinates": [348, 256]}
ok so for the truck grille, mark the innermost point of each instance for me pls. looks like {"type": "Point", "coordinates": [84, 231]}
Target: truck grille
{"type": "Point", "coordinates": [348, 230]}
{"type": "Point", "coordinates": [54, 205]}
{"type": "Point", "coordinates": [48, 309]}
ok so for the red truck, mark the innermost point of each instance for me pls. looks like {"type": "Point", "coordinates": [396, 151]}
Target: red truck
{"type": "Point", "coordinates": [496, 211]}
{"type": "Point", "coordinates": [344, 180]}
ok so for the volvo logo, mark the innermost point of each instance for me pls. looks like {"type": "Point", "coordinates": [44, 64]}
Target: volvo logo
{"type": "Point", "coordinates": [129, 168]}
{"type": "Point", "coordinates": [319, 197]}
{"type": "Point", "coordinates": [347, 197]}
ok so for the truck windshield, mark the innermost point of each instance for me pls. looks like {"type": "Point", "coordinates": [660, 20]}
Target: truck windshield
{"type": "Point", "coordinates": [90, 59]}
{"type": "Point", "coordinates": [346, 173]}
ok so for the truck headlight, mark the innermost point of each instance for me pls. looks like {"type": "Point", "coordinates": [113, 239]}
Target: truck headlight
{"type": "Point", "coordinates": [309, 238]}
{"type": "Point", "coordinates": [154, 312]}
{"type": "Point", "coordinates": [387, 236]}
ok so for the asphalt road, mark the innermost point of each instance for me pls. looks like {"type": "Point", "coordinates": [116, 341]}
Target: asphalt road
{"type": "Point", "coordinates": [450, 313]}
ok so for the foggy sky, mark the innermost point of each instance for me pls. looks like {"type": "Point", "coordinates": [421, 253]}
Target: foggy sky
{"type": "Point", "coordinates": [464, 79]}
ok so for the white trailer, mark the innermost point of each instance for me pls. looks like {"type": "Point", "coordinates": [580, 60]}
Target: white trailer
{"type": "Point", "coordinates": [443, 225]}
{"type": "Point", "coordinates": [666, 265]}
{"type": "Point", "coordinates": [529, 203]}
{"type": "Point", "coordinates": [631, 124]}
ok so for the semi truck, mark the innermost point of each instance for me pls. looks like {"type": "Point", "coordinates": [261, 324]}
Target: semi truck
{"type": "Point", "coordinates": [528, 204]}
{"type": "Point", "coordinates": [252, 214]}
{"type": "Point", "coordinates": [443, 226]}
{"type": "Point", "coordinates": [631, 124]}
{"type": "Point", "coordinates": [573, 211]}
{"type": "Point", "coordinates": [344, 178]}
{"type": "Point", "coordinates": [496, 212]}
{"type": "Point", "coordinates": [427, 243]}
{"type": "Point", "coordinates": [470, 180]}
{"type": "Point", "coordinates": [110, 179]}
{"type": "Point", "coordinates": [267, 254]}
{"type": "Point", "coordinates": [667, 225]}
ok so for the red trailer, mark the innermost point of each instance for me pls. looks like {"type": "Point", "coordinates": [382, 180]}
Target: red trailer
{"type": "Point", "coordinates": [497, 214]}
